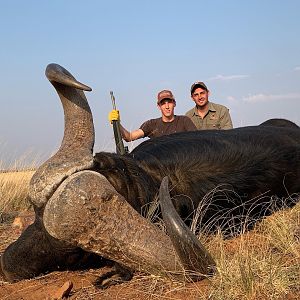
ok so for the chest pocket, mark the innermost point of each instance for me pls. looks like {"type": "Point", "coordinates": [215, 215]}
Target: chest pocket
{"type": "Point", "coordinates": [211, 123]}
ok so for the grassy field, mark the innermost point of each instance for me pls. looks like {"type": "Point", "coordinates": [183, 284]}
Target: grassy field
{"type": "Point", "coordinates": [260, 264]}
{"type": "Point", "coordinates": [14, 190]}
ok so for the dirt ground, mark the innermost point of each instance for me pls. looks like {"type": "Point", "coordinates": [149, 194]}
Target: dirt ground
{"type": "Point", "coordinates": [141, 287]}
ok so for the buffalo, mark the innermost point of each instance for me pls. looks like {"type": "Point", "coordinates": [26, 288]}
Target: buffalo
{"type": "Point", "coordinates": [92, 209]}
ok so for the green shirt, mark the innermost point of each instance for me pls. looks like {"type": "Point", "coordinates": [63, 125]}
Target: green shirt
{"type": "Point", "coordinates": [217, 117]}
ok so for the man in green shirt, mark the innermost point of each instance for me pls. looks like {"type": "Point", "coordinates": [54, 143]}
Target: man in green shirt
{"type": "Point", "coordinates": [207, 115]}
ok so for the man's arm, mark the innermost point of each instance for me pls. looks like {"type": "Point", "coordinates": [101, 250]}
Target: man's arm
{"type": "Point", "coordinates": [114, 115]}
{"type": "Point", "coordinates": [131, 136]}
{"type": "Point", "coordinates": [226, 122]}
{"type": "Point", "coordinates": [189, 124]}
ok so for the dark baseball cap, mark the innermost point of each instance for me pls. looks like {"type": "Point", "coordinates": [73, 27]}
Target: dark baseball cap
{"type": "Point", "coordinates": [164, 94]}
{"type": "Point", "coordinates": [198, 84]}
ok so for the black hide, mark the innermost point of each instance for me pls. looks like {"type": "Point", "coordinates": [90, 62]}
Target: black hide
{"type": "Point", "coordinates": [247, 171]}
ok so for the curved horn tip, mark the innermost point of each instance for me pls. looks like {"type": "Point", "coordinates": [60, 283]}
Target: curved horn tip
{"type": "Point", "coordinates": [193, 255]}
{"type": "Point", "coordinates": [57, 73]}
{"type": "Point", "coordinates": [165, 183]}
{"type": "Point", "coordinates": [55, 67]}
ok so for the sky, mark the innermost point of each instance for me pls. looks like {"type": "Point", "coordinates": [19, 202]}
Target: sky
{"type": "Point", "coordinates": [247, 53]}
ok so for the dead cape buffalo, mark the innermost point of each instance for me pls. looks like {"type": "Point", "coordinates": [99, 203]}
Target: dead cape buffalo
{"type": "Point", "coordinates": [90, 207]}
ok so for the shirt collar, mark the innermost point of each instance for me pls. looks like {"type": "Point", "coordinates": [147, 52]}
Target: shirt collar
{"type": "Point", "coordinates": [211, 107]}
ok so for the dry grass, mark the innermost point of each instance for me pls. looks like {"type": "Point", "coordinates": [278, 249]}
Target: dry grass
{"type": "Point", "coordinates": [14, 190]}
{"type": "Point", "coordinates": [261, 264]}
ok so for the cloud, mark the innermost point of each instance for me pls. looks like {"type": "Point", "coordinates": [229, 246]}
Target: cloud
{"type": "Point", "coordinates": [231, 98]}
{"type": "Point", "coordinates": [228, 77]}
{"type": "Point", "coordinates": [297, 69]}
{"type": "Point", "coordinates": [232, 101]}
{"type": "Point", "coordinates": [268, 98]}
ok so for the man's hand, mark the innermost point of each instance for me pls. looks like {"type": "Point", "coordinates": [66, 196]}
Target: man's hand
{"type": "Point", "coordinates": [114, 115]}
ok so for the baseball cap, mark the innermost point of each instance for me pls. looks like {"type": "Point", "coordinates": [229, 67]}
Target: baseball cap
{"type": "Point", "coordinates": [198, 84]}
{"type": "Point", "coordinates": [164, 94]}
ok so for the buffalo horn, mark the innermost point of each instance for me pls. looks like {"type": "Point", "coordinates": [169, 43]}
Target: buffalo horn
{"type": "Point", "coordinates": [195, 258]}
{"type": "Point", "coordinates": [75, 152]}
{"type": "Point", "coordinates": [86, 211]}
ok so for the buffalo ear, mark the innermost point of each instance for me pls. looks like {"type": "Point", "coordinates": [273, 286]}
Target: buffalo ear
{"type": "Point", "coordinates": [196, 260]}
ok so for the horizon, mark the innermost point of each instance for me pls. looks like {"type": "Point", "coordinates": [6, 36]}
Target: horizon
{"type": "Point", "coordinates": [246, 53]}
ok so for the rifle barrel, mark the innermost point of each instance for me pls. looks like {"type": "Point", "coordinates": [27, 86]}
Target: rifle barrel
{"type": "Point", "coordinates": [120, 149]}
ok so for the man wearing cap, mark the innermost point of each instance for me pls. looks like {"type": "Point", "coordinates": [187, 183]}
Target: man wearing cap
{"type": "Point", "coordinates": [168, 122]}
{"type": "Point", "coordinates": [207, 115]}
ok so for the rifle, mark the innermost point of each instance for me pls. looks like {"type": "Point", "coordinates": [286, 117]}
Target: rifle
{"type": "Point", "coordinates": [120, 148]}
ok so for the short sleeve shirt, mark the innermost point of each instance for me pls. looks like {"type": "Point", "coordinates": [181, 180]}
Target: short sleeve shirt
{"type": "Point", "coordinates": [157, 127]}
{"type": "Point", "coordinates": [217, 117]}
